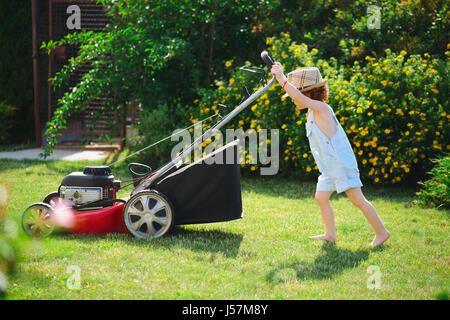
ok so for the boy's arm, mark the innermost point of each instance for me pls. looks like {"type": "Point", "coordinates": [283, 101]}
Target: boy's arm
{"type": "Point", "coordinates": [300, 100]}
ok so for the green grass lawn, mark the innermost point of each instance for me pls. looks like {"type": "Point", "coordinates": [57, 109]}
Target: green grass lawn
{"type": "Point", "coordinates": [265, 255]}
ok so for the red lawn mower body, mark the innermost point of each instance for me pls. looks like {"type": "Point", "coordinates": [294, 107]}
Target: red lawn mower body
{"type": "Point", "coordinates": [101, 221]}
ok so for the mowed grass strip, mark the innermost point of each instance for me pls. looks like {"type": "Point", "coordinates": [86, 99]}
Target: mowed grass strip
{"type": "Point", "coordinates": [265, 255]}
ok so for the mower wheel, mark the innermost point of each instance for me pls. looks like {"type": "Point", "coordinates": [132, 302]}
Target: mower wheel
{"type": "Point", "coordinates": [51, 197]}
{"type": "Point", "coordinates": [36, 220]}
{"type": "Point", "coordinates": [148, 214]}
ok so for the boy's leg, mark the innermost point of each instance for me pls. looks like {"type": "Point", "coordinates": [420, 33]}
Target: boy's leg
{"type": "Point", "coordinates": [323, 200]}
{"type": "Point", "coordinates": [357, 198]}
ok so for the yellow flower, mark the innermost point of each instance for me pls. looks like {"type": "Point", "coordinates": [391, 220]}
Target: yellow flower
{"type": "Point", "coordinates": [228, 64]}
{"type": "Point", "coordinates": [231, 81]}
{"type": "Point", "coordinates": [359, 110]}
{"type": "Point", "coordinates": [305, 155]}
{"type": "Point", "coordinates": [308, 169]}
{"type": "Point", "coordinates": [436, 91]}
{"type": "Point", "coordinates": [387, 131]}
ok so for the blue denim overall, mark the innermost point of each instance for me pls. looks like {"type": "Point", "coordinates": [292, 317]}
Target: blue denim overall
{"type": "Point", "coordinates": [334, 158]}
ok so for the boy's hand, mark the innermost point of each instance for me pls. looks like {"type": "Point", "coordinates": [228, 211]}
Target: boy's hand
{"type": "Point", "coordinates": [277, 70]}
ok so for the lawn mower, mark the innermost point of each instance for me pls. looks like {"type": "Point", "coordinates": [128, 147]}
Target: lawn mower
{"type": "Point", "coordinates": [175, 194]}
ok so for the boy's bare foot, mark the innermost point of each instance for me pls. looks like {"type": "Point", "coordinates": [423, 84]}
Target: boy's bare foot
{"type": "Point", "coordinates": [323, 237]}
{"type": "Point", "coordinates": [380, 239]}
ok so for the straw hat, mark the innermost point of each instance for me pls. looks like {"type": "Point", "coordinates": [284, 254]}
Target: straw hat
{"type": "Point", "coordinates": [305, 79]}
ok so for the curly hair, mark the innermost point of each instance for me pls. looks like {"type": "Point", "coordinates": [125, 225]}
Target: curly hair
{"type": "Point", "coordinates": [320, 93]}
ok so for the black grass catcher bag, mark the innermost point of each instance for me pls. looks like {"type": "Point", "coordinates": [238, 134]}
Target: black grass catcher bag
{"type": "Point", "coordinates": [208, 190]}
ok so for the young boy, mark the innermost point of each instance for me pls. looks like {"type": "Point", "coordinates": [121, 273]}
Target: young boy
{"type": "Point", "coordinates": [330, 148]}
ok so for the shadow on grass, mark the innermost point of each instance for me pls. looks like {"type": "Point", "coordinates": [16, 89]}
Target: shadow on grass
{"type": "Point", "coordinates": [211, 241]}
{"type": "Point", "coordinates": [330, 262]}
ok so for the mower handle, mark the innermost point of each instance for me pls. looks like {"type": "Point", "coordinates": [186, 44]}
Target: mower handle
{"type": "Point", "coordinates": [137, 177]}
{"type": "Point", "coordinates": [268, 60]}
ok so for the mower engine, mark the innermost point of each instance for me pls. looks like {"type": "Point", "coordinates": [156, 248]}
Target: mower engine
{"type": "Point", "coordinates": [93, 184]}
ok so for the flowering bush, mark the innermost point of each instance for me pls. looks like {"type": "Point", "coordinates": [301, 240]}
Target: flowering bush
{"type": "Point", "coordinates": [394, 110]}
